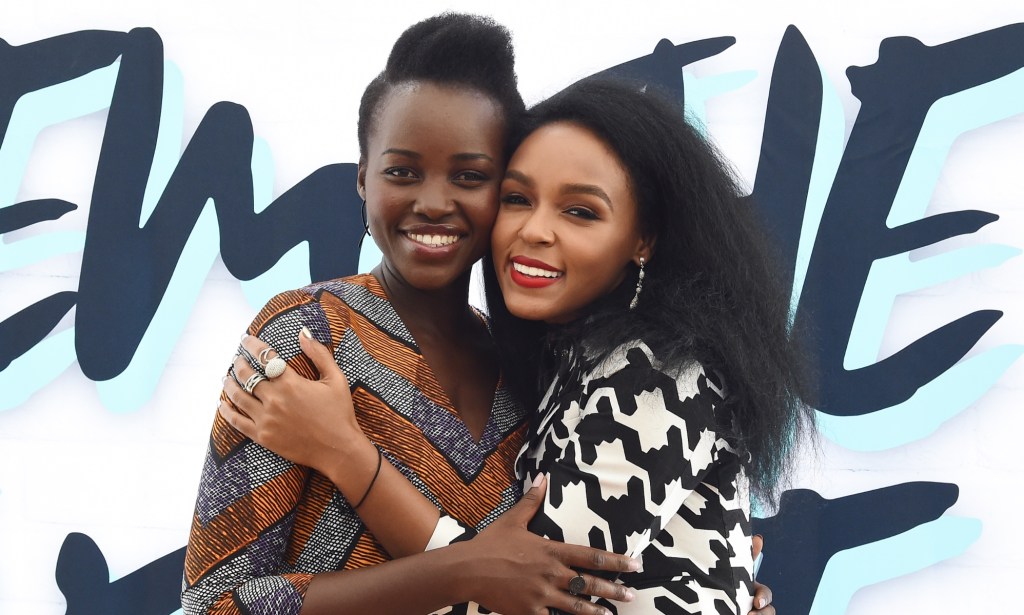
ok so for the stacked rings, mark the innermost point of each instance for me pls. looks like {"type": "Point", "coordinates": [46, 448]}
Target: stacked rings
{"type": "Point", "coordinates": [262, 363]}
{"type": "Point", "coordinates": [252, 381]}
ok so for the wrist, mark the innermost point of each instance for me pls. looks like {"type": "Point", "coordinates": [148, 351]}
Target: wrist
{"type": "Point", "coordinates": [460, 578]}
{"type": "Point", "coordinates": [351, 466]}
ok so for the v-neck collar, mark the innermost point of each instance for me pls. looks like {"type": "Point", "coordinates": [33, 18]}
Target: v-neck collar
{"type": "Point", "coordinates": [455, 435]}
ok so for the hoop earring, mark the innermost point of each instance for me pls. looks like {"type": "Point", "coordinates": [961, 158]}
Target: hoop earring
{"type": "Point", "coordinates": [639, 286]}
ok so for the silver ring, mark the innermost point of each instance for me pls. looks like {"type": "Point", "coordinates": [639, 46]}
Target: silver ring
{"type": "Point", "coordinates": [577, 584]}
{"type": "Point", "coordinates": [271, 366]}
{"type": "Point", "coordinates": [274, 367]}
{"type": "Point", "coordinates": [252, 381]}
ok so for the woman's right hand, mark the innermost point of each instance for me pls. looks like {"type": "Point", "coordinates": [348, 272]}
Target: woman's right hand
{"type": "Point", "coordinates": [517, 572]}
{"type": "Point", "coordinates": [308, 422]}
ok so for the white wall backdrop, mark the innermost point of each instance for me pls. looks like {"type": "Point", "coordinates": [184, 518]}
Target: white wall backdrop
{"type": "Point", "coordinates": [119, 460]}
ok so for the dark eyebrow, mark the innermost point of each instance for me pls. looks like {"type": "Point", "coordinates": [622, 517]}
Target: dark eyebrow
{"type": "Point", "coordinates": [473, 156]}
{"type": "Point", "coordinates": [401, 152]}
{"type": "Point", "coordinates": [587, 189]}
{"type": "Point", "coordinates": [411, 154]}
{"type": "Point", "coordinates": [519, 177]}
{"type": "Point", "coordinates": [590, 189]}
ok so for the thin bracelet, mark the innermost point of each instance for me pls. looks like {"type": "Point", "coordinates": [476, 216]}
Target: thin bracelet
{"type": "Point", "coordinates": [376, 473]}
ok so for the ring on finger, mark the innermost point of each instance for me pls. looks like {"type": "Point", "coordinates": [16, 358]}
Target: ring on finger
{"type": "Point", "coordinates": [252, 381]}
{"type": "Point", "coordinates": [264, 356]}
{"type": "Point", "coordinates": [272, 366]}
{"type": "Point", "coordinates": [577, 584]}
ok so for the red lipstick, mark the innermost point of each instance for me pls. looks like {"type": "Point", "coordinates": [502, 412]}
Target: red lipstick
{"type": "Point", "coordinates": [536, 279]}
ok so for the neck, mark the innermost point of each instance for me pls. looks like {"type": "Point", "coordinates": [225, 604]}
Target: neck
{"type": "Point", "coordinates": [442, 310]}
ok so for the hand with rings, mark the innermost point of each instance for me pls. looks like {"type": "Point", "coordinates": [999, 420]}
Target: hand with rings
{"type": "Point", "coordinates": [300, 417]}
{"type": "Point", "coordinates": [545, 572]}
{"type": "Point", "coordinates": [263, 363]}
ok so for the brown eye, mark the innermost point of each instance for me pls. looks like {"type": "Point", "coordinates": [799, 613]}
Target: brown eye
{"type": "Point", "coordinates": [514, 198]}
{"type": "Point", "coordinates": [400, 172]}
{"type": "Point", "coordinates": [582, 213]}
{"type": "Point", "coordinates": [475, 177]}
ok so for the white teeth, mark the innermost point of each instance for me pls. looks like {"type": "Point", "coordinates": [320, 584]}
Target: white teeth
{"type": "Point", "coordinates": [434, 241]}
{"type": "Point", "coordinates": [536, 272]}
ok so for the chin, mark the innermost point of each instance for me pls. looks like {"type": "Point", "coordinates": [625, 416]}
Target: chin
{"type": "Point", "coordinates": [528, 309]}
{"type": "Point", "coordinates": [433, 280]}
{"type": "Point", "coordinates": [437, 273]}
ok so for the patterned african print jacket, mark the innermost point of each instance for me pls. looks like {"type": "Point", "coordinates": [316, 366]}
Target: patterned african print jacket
{"type": "Point", "coordinates": [635, 466]}
{"type": "Point", "coordinates": [263, 526]}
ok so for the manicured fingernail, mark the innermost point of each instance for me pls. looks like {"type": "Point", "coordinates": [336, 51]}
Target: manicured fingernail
{"type": "Point", "coordinates": [761, 603]}
{"type": "Point", "coordinates": [244, 335]}
{"type": "Point", "coordinates": [538, 481]}
{"type": "Point", "coordinates": [306, 333]}
{"type": "Point", "coordinates": [629, 595]}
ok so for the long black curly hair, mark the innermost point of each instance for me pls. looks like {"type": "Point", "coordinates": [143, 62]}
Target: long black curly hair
{"type": "Point", "coordinates": [712, 290]}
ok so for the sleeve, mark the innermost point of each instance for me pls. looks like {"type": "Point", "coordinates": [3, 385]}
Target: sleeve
{"type": "Point", "coordinates": [449, 530]}
{"type": "Point", "coordinates": [640, 442]}
{"type": "Point", "coordinates": [248, 496]}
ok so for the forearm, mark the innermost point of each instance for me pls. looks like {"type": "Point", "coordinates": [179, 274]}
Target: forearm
{"type": "Point", "coordinates": [418, 584]}
{"type": "Point", "coordinates": [421, 583]}
{"type": "Point", "coordinates": [400, 517]}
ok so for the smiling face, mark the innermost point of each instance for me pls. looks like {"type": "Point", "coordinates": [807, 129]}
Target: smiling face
{"type": "Point", "coordinates": [430, 179]}
{"type": "Point", "coordinates": [567, 228]}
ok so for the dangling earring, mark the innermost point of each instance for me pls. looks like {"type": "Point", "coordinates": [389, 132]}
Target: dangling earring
{"type": "Point", "coordinates": [639, 286]}
{"type": "Point", "coordinates": [366, 227]}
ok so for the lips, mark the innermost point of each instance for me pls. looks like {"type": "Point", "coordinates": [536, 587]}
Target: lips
{"type": "Point", "coordinates": [433, 238]}
{"type": "Point", "coordinates": [532, 273]}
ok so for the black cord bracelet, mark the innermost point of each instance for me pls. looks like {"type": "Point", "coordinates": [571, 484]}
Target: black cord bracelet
{"type": "Point", "coordinates": [376, 473]}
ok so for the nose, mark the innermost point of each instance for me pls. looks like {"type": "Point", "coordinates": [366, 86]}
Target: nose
{"type": "Point", "coordinates": [435, 200]}
{"type": "Point", "coordinates": [537, 227]}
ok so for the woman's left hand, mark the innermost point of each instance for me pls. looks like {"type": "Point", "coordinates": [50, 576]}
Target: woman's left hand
{"type": "Point", "coordinates": [762, 593]}
{"type": "Point", "coordinates": [762, 596]}
{"type": "Point", "coordinates": [305, 421]}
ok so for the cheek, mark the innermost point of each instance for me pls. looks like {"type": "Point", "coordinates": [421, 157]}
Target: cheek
{"type": "Point", "coordinates": [377, 214]}
{"type": "Point", "coordinates": [603, 268]}
{"type": "Point", "coordinates": [387, 203]}
{"type": "Point", "coordinates": [503, 232]}
{"type": "Point", "coordinates": [485, 211]}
